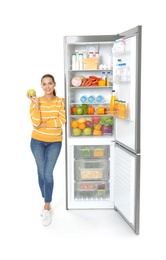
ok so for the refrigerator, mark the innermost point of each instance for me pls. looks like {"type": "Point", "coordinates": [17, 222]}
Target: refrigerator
{"type": "Point", "coordinates": [103, 167]}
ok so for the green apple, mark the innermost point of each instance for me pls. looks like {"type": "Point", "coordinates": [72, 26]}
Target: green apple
{"type": "Point", "coordinates": [31, 93]}
{"type": "Point", "coordinates": [87, 131]}
{"type": "Point", "coordinates": [76, 131]}
{"type": "Point", "coordinates": [79, 111]}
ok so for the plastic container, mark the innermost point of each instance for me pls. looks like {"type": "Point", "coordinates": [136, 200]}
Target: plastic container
{"type": "Point", "coordinates": [88, 169]}
{"type": "Point", "coordinates": [88, 151]}
{"type": "Point", "coordinates": [91, 63]}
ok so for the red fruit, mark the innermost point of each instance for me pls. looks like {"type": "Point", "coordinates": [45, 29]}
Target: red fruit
{"type": "Point", "coordinates": [96, 119]}
{"type": "Point", "coordinates": [88, 123]}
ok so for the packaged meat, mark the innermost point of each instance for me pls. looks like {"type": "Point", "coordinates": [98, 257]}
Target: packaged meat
{"type": "Point", "coordinates": [76, 81]}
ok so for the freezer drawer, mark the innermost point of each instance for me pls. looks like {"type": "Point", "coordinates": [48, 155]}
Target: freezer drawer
{"type": "Point", "coordinates": [91, 169]}
{"type": "Point", "coordinates": [87, 151]}
{"type": "Point", "coordinates": [92, 190]}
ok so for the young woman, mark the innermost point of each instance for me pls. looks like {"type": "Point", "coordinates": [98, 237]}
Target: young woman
{"type": "Point", "coordinates": [48, 117]}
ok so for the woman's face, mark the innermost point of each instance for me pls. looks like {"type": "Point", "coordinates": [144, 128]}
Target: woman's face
{"type": "Point", "coordinates": [48, 85]}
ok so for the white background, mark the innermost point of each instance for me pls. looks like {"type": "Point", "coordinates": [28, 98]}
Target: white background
{"type": "Point", "coordinates": [31, 44]}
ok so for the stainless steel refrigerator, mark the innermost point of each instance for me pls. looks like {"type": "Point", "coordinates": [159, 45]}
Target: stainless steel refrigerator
{"type": "Point", "coordinates": [103, 165]}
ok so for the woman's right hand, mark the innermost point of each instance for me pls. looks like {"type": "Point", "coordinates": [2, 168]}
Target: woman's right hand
{"type": "Point", "coordinates": [34, 100]}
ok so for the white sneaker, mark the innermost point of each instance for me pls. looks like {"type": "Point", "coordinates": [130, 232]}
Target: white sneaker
{"type": "Point", "coordinates": [46, 218]}
{"type": "Point", "coordinates": [42, 212]}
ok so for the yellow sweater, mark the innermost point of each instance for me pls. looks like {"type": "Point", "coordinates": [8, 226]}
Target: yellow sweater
{"type": "Point", "coordinates": [53, 113]}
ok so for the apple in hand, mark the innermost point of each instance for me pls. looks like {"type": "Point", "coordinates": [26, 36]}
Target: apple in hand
{"type": "Point", "coordinates": [31, 93]}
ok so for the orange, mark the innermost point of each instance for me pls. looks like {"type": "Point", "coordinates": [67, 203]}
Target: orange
{"type": "Point", "coordinates": [81, 126]}
{"type": "Point", "coordinates": [74, 124]}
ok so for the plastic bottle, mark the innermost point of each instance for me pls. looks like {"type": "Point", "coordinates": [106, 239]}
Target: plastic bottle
{"type": "Point", "coordinates": [112, 103]}
{"type": "Point", "coordinates": [103, 76]}
{"type": "Point", "coordinates": [121, 45]}
{"type": "Point", "coordinates": [73, 61]}
{"type": "Point", "coordinates": [117, 70]}
{"type": "Point", "coordinates": [123, 109]}
{"type": "Point", "coordinates": [124, 72]}
{"type": "Point", "coordinates": [91, 54]}
{"type": "Point", "coordinates": [81, 65]}
{"type": "Point", "coordinates": [97, 54]}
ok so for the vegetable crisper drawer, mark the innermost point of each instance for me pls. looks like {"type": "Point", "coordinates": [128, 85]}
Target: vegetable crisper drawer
{"type": "Point", "coordinates": [91, 169]}
{"type": "Point", "coordinates": [92, 189]}
{"type": "Point", "coordinates": [95, 151]}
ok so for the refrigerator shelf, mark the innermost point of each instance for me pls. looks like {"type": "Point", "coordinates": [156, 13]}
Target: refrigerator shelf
{"type": "Point", "coordinates": [91, 87]}
{"type": "Point", "coordinates": [97, 70]}
{"type": "Point", "coordinates": [121, 53]}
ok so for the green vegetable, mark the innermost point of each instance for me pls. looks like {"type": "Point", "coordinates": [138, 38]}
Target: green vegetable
{"type": "Point", "coordinates": [106, 121]}
{"type": "Point", "coordinates": [85, 109]}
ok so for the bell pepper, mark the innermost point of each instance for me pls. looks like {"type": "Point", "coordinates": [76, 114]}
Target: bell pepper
{"type": "Point", "coordinates": [97, 132]}
{"type": "Point", "coordinates": [91, 110]}
{"type": "Point", "coordinates": [73, 109]}
{"type": "Point", "coordinates": [97, 127]}
{"type": "Point", "coordinates": [100, 110]}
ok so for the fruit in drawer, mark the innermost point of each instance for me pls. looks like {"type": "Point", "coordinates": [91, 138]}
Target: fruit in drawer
{"type": "Point", "coordinates": [74, 124]}
{"type": "Point", "coordinates": [81, 126]}
{"type": "Point", "coordinates": [81, 120]}
{"type": "Point", "coordinates": [76, 131]}
{"type": "Point", "coordinates": [96, 119]}
{"type": "Point", "coordinates": [87, 131]}
{"type": "Point", "coordinates": [88, 123]}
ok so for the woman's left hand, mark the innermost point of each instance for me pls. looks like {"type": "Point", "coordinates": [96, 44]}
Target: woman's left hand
{"type": "Point", "coordinates": [44, 124]}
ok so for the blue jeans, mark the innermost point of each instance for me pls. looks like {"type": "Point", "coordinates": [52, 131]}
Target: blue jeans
{"type": "Point", "coordinates": [46, 155]}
